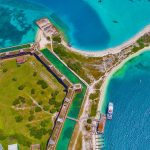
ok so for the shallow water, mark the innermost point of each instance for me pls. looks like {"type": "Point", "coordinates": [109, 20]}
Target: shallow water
{"type": "Point", "coordinates": [129, 89]}
{"type": "Point", "coordinates": [17, 22]}
{"type": "Point", "coordinates": [87, 24]}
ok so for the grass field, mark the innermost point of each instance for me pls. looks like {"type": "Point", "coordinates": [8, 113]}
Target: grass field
{"type": "Point", "coordinates": [29, 97]}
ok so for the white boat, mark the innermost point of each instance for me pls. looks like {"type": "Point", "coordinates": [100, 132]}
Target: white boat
{"type": "Point", "coordinates": [110, 111]}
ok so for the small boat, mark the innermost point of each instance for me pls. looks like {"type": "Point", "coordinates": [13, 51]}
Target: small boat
{"type": "Point", "coordinates": [110, 111]}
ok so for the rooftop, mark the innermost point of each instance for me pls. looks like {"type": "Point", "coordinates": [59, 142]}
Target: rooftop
{"type": "Point", "coordinates": [20, 60]}
{"type": "Point", "coordinates": [77, 87]}
{"type": "Point", "coordinates": [13, 147]}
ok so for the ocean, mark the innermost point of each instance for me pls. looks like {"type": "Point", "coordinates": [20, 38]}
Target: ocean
{"type": "Point", "coordinates": [94, 25]}
{"type": "Point", "coordinates": [129, 90]}
{"type": "Point", "coordinates": [89, 25]}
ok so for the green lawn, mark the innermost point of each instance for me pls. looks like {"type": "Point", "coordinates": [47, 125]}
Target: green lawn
{"type": "Point", "coordinates": [29, 96]}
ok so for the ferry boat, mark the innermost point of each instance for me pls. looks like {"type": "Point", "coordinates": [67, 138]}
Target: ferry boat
{"type": "Point", "coordinates": [110, 111]}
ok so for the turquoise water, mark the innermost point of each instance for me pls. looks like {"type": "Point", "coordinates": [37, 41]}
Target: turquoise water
{"type": "Point", "coordinates": [66, 135]}
{"type": "Point", "coordinates": [129, 90]}
{"type": "Point", "coordinates": [17, 22]}
{"type": "Point", "coordinates": [74, 109]}
{"type": "Point", "coordinates": [78, 99]}
{"type": "Point", "coordinates": [87, 24]}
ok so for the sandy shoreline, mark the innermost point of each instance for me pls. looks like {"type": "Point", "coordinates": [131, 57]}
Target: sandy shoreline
{"type": "Point", "coordinates": [43, 42]}
{"type": "Point", "coordinates": [40, 38]}
{"type": "Point", "coordinates": [109, 75]}
{"type": "Point", "coordinates": [110, 50]}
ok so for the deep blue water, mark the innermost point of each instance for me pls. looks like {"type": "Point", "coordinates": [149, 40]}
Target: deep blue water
{"type": "Point", "coordinates": [83, 23]}
{"type": "Point", "coordinates": [87, 24]}
{"type": "Point", "coordinates": [129, 90]}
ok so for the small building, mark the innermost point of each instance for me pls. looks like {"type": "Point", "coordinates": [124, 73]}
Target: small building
{"type": "Point", "coordinates": [67, 100]}
{"type": "Point", "coordinates": [13, 147]}
{"type": "Point", "coordinates": [51, 142]}
{"type": "Point", "coordinates": [77, 87]}
{"type": "Point", "coordinates": [1, 147]}
{"type": "Point", "coordinates": [21, 51]}
{"type": "Point", "coordinates": [35, 46]}
{"type": "Point", "coordinates": [45, 25]}
{"type": "Point", "coordinates": [7, 53]}
{"type": "Point", "coordinates": [35, 147]}
{"type": "Point", "coordinates": [60, 120]}
{"type": "Point", "coordinates": [101, 124]}
{"type": "Point", "coordinates": [20, 60]}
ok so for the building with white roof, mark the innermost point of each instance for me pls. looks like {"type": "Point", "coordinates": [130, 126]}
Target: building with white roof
{"type": "Point", "coordinates": [13, 147]}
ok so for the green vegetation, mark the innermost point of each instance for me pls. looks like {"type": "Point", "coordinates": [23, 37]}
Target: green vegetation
{"type": "Point", "coordinates": [42, 83]}
{"type": "Point", "coordinates": [5, 70]}
{"type": "Point", "coordinates": [88, 127]}
{"type": "Point", "coordinates": [79, 142]}
{"type": "Point", "coordinates": [34, 74]}
{"type": "Point", "coordinates": [56, 38]}
{"type": "Point", "coordinates": [21, 119]}
{"type": "Point", "coordinates": [48, 38]}
{"type": "Point", "coordinates": [93, 109]}
{"type": "Point", "coordinates": [21, 87]}
{"type": "Point", "coordinates": [141, 43]}
{"type": "Point", "coordinates": [144, 39]}
{"type": "Point", "coordinates": [98, 85]}
{"type": "Point", "coordinates": [86, 67]}
{"type": "Point", "coordinates": [89, 121]}
{"type": "Point", "coordinates": [15, 48]}
{"type": "Point", "coordinates": [19, 100]}
{"type": "Point", "coordinates": [32, 91]}
{"type": "Point", "coordinates": [95, 95]}
{"type": "Point", "coordinates": [77, 101]}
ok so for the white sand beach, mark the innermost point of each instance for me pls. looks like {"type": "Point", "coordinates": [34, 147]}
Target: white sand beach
{"type": "Point", "coordinates": [109, 75]}
{"type": "Point", "coordinates": [43, 42]}
{"type": "Point", "coordinates": [110, 50]}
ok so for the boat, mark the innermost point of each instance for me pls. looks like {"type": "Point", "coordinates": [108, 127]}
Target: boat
{"type": "Point", "coordinates": [110, 111]}
{"type": "Point", "coordinates": [101, 125]}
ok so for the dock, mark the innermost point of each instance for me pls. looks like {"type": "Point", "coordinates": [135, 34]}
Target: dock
{"type": "Point", "coordinates": [99, 142]}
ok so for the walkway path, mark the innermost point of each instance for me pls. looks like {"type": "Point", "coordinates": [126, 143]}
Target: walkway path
{"type": "Point", "coordinates": [72, 119]}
